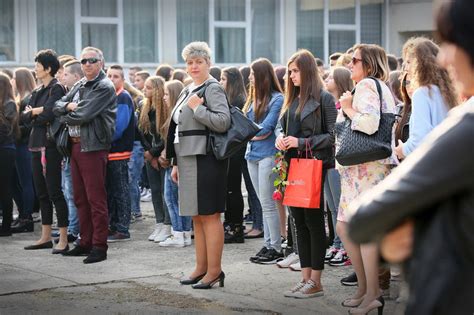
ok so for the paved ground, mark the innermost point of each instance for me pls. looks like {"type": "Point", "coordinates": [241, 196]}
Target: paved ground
{"type": "Point", "coordinates": [140, 277]}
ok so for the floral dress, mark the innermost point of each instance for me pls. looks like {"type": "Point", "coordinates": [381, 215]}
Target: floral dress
{"type": "Point", "coordinates": [358, 179]}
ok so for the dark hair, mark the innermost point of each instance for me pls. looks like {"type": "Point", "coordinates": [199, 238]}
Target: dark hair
{"type": "Point", "coordinates": [342, 79]}
{"type": "Point", "coordinates": [24, 81]}
{"type": "Point", "coordinates": [6, 95]}
{"type": "Point", "coordinates": [394, 80]}
{"type": "Point", "coordinates": [319, 62]}
{"type": "Point", "coordinates": [374, 60]}
{"type": "Point", "coordinates": [48, 59]}
{"type": "Point", "coordinates": [406, 111]}
{"type": "Point", "coordinates": [118, 67]}
{"type": "Point", "coordinates": [215, 71]}
{"type": "Point", "coordinates": [265, 83]}
{"type": "Point", "coordinates": [165, 71]}
{"type": "Point", "coordinates": [455, 24]}
{"type": "Point", "coordinates": [245, 71]}
{"type": "Point", "coordinates": [7, 72]}
{"type": "Point", "coordinates": [311, 83]}
{"type": "Point", "coordinates": [280, 72]}
{"type": "Point", "coordinates": [143, 74]}
{"type": "Point", "coordinates": [179, 74]}
{"type": "Point", "coordinates": [235, 89]}
{"type": "Point", "coordinates": [392, 62]}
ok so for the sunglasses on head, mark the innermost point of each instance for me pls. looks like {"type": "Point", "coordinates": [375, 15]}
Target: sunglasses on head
{"type": "Point", "coordinates": [89, 60]}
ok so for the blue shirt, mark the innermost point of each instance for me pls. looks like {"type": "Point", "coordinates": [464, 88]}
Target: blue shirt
{"type": "Point", "coordinates": [428, 110]}
{"type": "Point", "coordinates": [260, 149]}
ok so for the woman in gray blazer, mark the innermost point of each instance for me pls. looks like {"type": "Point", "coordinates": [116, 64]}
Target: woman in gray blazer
{"type": "Point", "coordinates": [200, 176]}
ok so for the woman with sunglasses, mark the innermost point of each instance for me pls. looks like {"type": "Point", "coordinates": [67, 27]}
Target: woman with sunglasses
{"type": "Point", "coordinates": [363, 109]}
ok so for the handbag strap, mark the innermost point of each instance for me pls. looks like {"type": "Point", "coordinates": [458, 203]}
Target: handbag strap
{"type": "Point", "coordinates": [379, 90]}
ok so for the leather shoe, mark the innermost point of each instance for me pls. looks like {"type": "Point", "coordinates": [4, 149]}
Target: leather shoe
{"type": "Point", "coordinates": [210, 284]}
{"type": "Point", "coordinates": [45, 245]}
{"type": "Point", "coordinates": [23, 226]}
{"type": "Point", "coordinates": [192, 280]}
{"type": "Point", "coordinates": [95, 256]}
{"type": "Point", "coordinates": [60, 251]}
{"type": "Point", "coordinates": [77, 251]}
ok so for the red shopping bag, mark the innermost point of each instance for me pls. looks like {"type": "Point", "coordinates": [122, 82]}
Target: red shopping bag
{"type": "Point", "coordinates": [304, 183]}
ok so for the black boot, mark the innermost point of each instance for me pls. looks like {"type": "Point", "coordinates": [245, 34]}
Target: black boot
{"type": "Point", "coordinates": [23, 225]}
{"type": "Point", "coordinates": [234, 235]}
{"type": "Point", "coordinates": [95, 256]}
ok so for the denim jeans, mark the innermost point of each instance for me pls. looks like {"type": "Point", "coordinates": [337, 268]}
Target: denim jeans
{"type": "Point", "coordinates": [262, 180]}
{"type": "Point", "coordinates": [73, 227]}
{"type": "Point", "coordinates": [23, 191]}
{"type": "Point", "coordinates": [332, 193]}
{"type": "Point", "coordinates": [179, 223]}
{"type": "Point", "coordinates": [252, 198]}
{"type": "Point", "coordinates": [135, 166]}
{"type": "Point", "coordinates": [156, 179]}
{"type": "Point", "coordinates": [118, 196]}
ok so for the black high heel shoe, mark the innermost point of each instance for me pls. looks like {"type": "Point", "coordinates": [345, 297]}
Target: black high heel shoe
{"type": "Point", "coordinates": [210, 284]}
{"type": "Point", "coordinates": [192, 280]}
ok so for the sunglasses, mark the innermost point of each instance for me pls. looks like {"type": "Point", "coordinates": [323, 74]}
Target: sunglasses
{"type": "Point", "coordinates": [355, 60]}
{"type": "Point", "coordinates": [89, 60]}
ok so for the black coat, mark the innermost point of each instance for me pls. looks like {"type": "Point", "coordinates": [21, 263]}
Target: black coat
{"type": "Point", "coordinates": [44, 96]}
{"type": "Point", "coordinates": [320, 136]}
{"type": "Point", "coordinates": [435, 187]}
{"type": "Point", "coordinates": [8, 123]}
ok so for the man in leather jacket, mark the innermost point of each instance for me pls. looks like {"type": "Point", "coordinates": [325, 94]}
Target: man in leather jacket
{"type": "Point", "coordinates": [89, 109]}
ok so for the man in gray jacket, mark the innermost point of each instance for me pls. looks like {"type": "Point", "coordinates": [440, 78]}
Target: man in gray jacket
{"type": "Point", "coordinates": [89, 109]}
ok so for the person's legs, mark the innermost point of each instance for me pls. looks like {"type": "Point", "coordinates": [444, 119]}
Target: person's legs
{"type": "Point", "coordinates": [214, 238]}
{"type": "Point", "coordinates": [7, 168]}
{"type": "Point", "coordinates": [235, 201]}
{"type": "Point", "coordinates": [118, 195]}
{"type": "Point", "coordinates": [41, 189]}
{"type": "Point", "coordinates": [332, 193]}
{"type": "Point", "coordinates": [370, 260]}
{"type": "Point", "coordinates": [135, 167]}
{"type": "Point", "coordinates": [200, 246]}
{"type": "Point", "coordinates": [303, 238]}
{"type": "Point", "coordinates": [172, 202]}
{"type": "Point", "coordinates": [271, 217]}
{"type": "Point", "coordinates": [156, 180]}
{"type": "Point", "coordinates": [252, 198]}
{"type": "Point", "coordinates": [253, 168]}
{"type": "Point", "coordinates": [314, 220]}
{"type": "Point", "coordinates": [68, 190]}
{"type": "Point", "coordinates": [282, 213]}
{"type": "Point", "coordinates": [25, 180]}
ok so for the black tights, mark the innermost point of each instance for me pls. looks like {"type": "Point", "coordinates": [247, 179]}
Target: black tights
{"type": "Point", "coordinates": [7, 167]}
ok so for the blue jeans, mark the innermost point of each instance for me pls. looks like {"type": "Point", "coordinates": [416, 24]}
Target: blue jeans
{"type": "Point", "coordinates": [156, 179]}
{"type": "Point", "coordinates": [73, 227]}
{"type": "Point", "coordinates": [135, 166]}
{"type": "Point", "coordinates": [118, 196]}
{"type": "Point", "coordinates": [332, 193]}
{"type": "Point", "coordinates": [23, 191]}
{"type": "Point", "coordinates": [262, 180]}
{"type": "Point", "coordinates": [179, 223]}
{"type": "Point", "coordinates": [252, 198]}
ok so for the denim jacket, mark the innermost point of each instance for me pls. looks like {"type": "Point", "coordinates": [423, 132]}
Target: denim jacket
{"type": "Point", "coordinates": [260, 149]}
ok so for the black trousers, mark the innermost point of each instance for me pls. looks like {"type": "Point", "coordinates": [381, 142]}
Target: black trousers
{"type": "Point", "coordinates": [7, 169]}
{"type": "Point", "coordinates": [234, 201]}
{"type": "Point", "coordinates": [48, 186]}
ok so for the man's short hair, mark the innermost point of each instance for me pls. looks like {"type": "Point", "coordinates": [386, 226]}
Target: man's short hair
{"type": "Point", "coordinates": [118, 67]}
{"type": "Point", "coordinates": [74, 67]}
{"type": "Point", "coordinates": [392, 62]}
{"type": "Point", "coordinates": [143, 74]}
{"type": "Point", "coordinates": [99, 52]}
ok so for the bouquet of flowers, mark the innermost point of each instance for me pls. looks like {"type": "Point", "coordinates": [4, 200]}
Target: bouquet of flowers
{"type": "Point", "coordinates": [281, 168]}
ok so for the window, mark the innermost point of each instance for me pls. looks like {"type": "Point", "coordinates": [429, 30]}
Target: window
{"type": "Point", "coordinates": [266, 29]}
{"type": "Point", "coordinates": [193, 22]}
{"type": "Point", "coordinates": [371, 21]}
{"type": "Point", "coordinates": [55, 26]}
{"type": "Point", "coordinates": [342, 12]}
{"type": "Point", "coordinates": [103, 37]}
{"type": "Point", "coordinates": [310, 26]}
{"type": "Point", "coordinates": [7, 30]}
{"type": "Point", "coordinates": [340, 41]}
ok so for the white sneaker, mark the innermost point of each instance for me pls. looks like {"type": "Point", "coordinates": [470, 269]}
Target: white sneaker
{"type": "Point", "coordinates": [147, 196]}
{"type": "Point", "coordinates": [163, 234]}
{"type": "Point", "coordinates": [156, 231]}
{"type": "Point", "coordinates": [296, 266]}
{"type": "Point", "coordinates": [143, 192]}
{"type": "Point", "coordinates": [175, 240]}
{"type": "Point", "coordinates": [187, 238]}
{"type": "Point", "coordinates": [291, 259]}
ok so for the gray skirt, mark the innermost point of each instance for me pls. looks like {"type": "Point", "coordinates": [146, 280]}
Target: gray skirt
{"type": "Point", "coordinates": [202, 184]}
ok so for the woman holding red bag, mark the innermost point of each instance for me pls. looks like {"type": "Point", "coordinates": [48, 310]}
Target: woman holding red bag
{"type": "Point", "coordinates": [307, 121]}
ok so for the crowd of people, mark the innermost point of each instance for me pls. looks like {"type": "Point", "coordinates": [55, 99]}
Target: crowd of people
{"type": "Point", "coordinates": [148, 138]}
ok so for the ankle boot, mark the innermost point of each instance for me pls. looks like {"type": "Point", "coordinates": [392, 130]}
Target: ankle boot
{"type": "Point", "coordinates": [235, 235]}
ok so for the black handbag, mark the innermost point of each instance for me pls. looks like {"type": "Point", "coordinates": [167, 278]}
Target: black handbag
{"type": "Point", "coordinates": [356, 147]}
{"type": "Point", "coordinates": [63, 143]}
{"type": "Point", "coordinates": [242, 129]}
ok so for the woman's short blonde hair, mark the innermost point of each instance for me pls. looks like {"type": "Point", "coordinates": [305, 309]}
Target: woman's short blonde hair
{"type": "Point", "coordinates": [374, 61]}
{"type": "Point", "coordinates": [196, 49]}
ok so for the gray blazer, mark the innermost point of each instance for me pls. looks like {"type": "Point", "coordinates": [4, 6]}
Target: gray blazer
{"type": "Point", "coordinates": [194, 126]}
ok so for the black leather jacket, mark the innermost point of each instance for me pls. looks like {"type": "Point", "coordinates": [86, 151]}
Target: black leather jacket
{"type": "Point", "coordinates": [435, 187]}
{"type": "Point", "coordinates": [95, 113]}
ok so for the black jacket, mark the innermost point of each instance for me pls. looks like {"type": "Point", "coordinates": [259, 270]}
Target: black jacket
{"type": "Point", "coordinates": [435, 187]}
{"type": "Point", "coordinates": [24, 129]}
{"type": "Point", "coordinates": [8, 124]}
{"type": "Point", "coordinates": [152, 141]}
{"type": "Point", "coordinates": [95, 112]}
{"type": "Point", "coordinates": [321, 137]}
{"type": "Point", "coordinates": [44, 96]}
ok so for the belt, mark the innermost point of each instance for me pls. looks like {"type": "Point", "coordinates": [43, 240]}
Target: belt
{"type": "Point", "coordinates": [75, 139]}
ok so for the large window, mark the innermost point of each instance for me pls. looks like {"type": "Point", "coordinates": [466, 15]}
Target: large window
{"type": "Point", "coordinates": [7, 30]}
{"type": "Point", "coordinates": [310, 26]}
{"type": "Point", "coordinates": [238, 31]}
{"type": "Point", "coordinates": [371, 25]}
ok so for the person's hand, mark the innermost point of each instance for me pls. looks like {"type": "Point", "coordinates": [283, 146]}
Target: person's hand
{"type": "Point", "coordinates": [71, 106]}
{"type": "Point", "coordinates": [36, 111]}
{"type": "Point", "coordinates": [397, 245]}
{"type": "Point", "coordinates": [175, 174]}
{"type": "Point", "coordinates": [346, 101]}
{"type": "Point", "coordinates": [399, 150]}
{"type": "Point", "coordinates": [148, 156]}
{"type": "Point", "coordinates": [290, 142]}
{"type": "Point", "coordinates": [27, 109]}
{"type": "Point", "coordinates": [155, 164]}
{"type": "Point", "coordinates": [279, 144]}
{"type": "Point", "coordinates": [164, 163]}
{"type": "Point", "coordinates": [194, 101]}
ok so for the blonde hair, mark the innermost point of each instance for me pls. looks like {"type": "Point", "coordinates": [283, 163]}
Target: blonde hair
{"type": "Point", "coordinates": [344, 60]}
{"type": "Point", "coordinates": [155, 102]}
{"type": "Point", "coordinates": [374, 61]}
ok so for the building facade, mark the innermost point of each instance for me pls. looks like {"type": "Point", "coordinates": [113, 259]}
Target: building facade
{"type": "Point", "coordinates": [149, 32]}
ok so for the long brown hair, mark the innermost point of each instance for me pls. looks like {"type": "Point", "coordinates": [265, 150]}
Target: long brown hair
{"type": "Point", "coordinates": [311, 83]}
{"type": "Point", "coordinates": [342, 80]}
{"type": "Point", "coordinates": [156, 103]}
{"type": "Point", "coordinates": [24, 81]}
{"type": "Point", "coordinates": [406, 111]}
{"type": "Point", "coordinates": [260, 92]}
{"type": "Point", "coordinates": [235, 89]}
{"type": "Point", "coordinates": [6, 95]}
{"type": "Point", "coordinates": [428, 72]}
{"type": "Point", "coordinates": [174, 88]}
{"type": "Point", "coordinates": [374, 61]}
